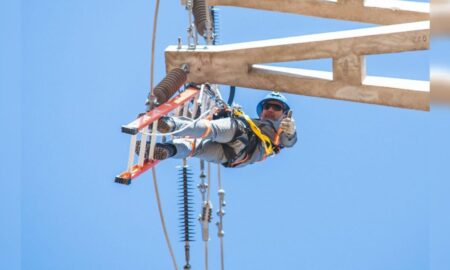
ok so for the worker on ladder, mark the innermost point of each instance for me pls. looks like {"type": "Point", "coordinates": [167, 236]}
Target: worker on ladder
{"type": "Point", "coordinates": [235, 140]}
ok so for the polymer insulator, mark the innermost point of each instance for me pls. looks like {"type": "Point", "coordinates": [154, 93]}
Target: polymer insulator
{"type": "Point", "coordinates": [169, 85]}
{"type": "Point", "coordinates": [186, 204]}
{"type": "Point", "coordinates": [201, 17]}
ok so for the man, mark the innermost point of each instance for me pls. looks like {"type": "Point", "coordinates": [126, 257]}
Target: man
{"type": "Point", "coordinates": [231, 141]}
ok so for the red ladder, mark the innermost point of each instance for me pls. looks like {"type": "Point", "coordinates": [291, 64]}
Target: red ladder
{"type": "Point", "coordinates": [133, 128]}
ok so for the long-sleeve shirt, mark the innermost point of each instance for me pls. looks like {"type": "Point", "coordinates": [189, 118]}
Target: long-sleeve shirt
{"type": "Point", "coordinates": [268, 128]}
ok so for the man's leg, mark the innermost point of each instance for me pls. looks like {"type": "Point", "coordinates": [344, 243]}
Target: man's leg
{"type": "Point", "coordinates": [204, 149]}
{"type": "Point", "coordinates": [220, 130]}
{"type": "Point", "coordinates": [184, 148]}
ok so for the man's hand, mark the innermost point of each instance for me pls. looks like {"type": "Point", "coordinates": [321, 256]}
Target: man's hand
{"type": "Point", "coordinates": [288, 126]}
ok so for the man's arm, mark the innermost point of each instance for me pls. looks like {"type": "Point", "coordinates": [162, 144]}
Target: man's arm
{"type": "Point", "coordinates": [288, 136]}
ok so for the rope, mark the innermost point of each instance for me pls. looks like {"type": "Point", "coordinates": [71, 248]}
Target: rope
{"type": "Point", "coordinates": [155, 24]}
{"type": "Point", "coordinates": [163, 222]}
{"type": "Point", "coordinates": [155, 180]}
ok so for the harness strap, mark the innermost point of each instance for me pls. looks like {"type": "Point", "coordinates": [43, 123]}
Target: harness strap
{"type": "Point", "coordinates": [193, 146]}
{"type": "Point", "coordinates": [266, 141]}
{"type": "Point", "coordinates": [207, 131]}
{"type": "Point", "coordinates": [254, 135]}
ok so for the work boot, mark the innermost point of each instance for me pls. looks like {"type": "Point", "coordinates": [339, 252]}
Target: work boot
{"type": "Point", "coordinates": [162, 150]}
{"type": "Point", "coordinates": [166, 124]}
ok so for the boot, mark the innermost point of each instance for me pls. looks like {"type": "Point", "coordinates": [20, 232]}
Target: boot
{"type": "Point", "coordinates": [162, 150]}
{"type": "Point", "coordinates": [166, 124]}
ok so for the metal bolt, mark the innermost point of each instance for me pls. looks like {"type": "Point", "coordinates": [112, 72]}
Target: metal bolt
{"type": "Point", "coordinates": [179, 43]}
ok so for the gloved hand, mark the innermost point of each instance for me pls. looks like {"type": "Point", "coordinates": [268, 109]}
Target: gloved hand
{"type": "Point", "coordinates": [287, 125]}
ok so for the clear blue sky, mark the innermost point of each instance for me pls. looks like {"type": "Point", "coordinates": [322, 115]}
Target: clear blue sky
{"type": "Point", "coordinates": [355, 192]}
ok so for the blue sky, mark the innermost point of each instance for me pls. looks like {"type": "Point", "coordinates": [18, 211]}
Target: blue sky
{"type": "Point", "coordinates": [354, 193]}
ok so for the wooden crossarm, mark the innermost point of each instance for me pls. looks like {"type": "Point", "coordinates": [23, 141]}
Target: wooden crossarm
{"type": "Point", "coordinates": [410, 94]}
{"type": "Point", "coordinates": [237, 64]}
{"type": "Point", "coordinates": [369, 11]}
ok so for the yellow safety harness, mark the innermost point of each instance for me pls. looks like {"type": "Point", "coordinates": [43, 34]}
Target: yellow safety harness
{"type": "Point", "coordinates": [267, 143]}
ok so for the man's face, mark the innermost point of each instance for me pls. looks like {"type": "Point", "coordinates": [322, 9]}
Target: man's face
{"type": "Point", "coordinates": [272, 110]}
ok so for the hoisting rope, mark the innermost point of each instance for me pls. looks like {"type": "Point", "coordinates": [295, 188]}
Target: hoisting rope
{"type": "Point", "coordinates": [155, 24]}
{"type": "Point", "coordinates": [163, 222]}
{"type": "Point", "coordinates": [155, 180]}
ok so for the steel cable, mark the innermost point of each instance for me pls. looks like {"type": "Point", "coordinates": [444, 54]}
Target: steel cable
{"type": "Point", "coordinates": [155, 180]}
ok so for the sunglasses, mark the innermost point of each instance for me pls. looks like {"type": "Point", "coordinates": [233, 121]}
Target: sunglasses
{"type": "Point", "coordinates": [275, 107]}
